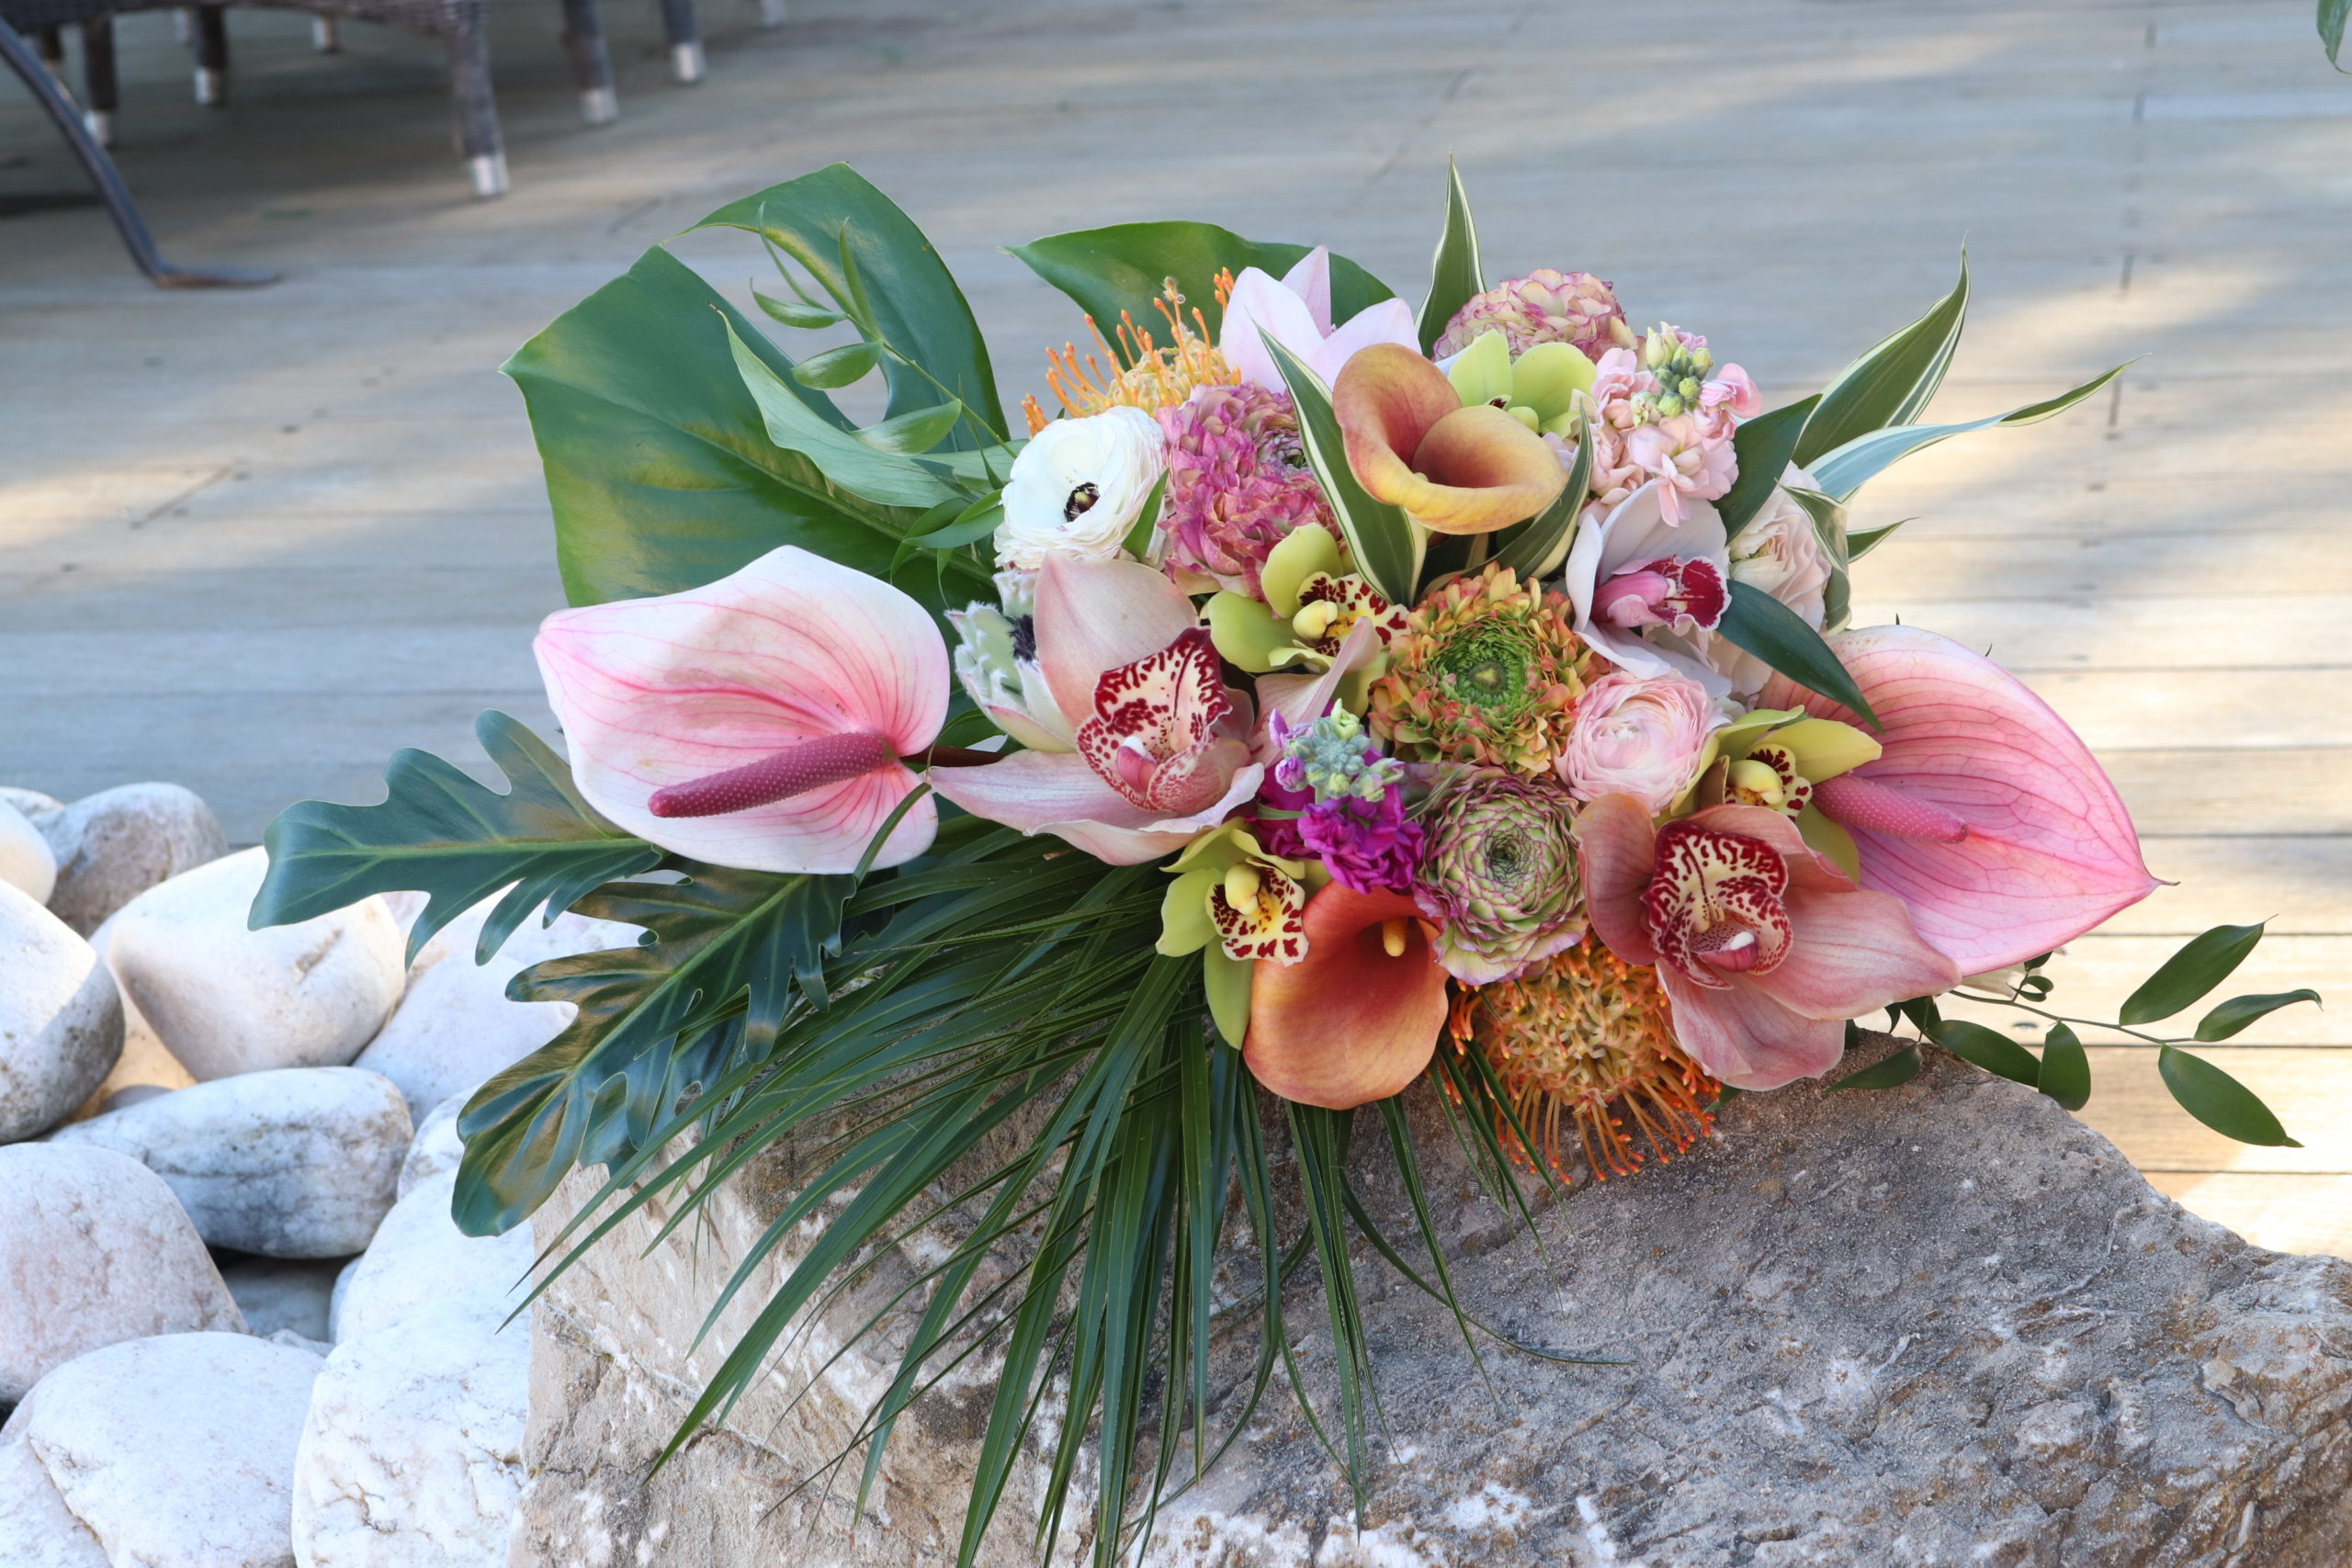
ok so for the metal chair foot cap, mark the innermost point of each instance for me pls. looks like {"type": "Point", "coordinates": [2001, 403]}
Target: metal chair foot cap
{"type": "Point", "coordinates": [599, 105]}
{"type": "Point", "coordinates": [686, 62]}
{"type": "Point", "coordinates": [100, 123]}
{"type": "Point", "coordinates": [211, 88]}
{"type": "Point", "coordinates": [489, 173]}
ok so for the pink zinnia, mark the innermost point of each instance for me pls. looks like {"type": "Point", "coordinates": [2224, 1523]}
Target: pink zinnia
{"type": "Point", "coordinates": [1238, 484]}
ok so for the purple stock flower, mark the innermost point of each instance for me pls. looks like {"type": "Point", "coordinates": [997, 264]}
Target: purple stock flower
{"type": "Point", "coordinates": [1368, 844]}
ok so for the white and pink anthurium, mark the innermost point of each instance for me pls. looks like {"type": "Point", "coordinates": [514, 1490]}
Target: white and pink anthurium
{"type": "Point", "coordinates": [765, 721]}
{"type": "Point", "coordinates": [1983, 812]}
{"type": "Point", "coordinates": [1646, 587]}
{"type": "Point", "coordinates": [1162, 745]}
{"type": "Point", "coordinates": [1295, 312]}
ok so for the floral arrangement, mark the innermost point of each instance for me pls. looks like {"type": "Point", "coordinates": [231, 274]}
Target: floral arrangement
{"type": "Point", "coordinates": [1326, 696]}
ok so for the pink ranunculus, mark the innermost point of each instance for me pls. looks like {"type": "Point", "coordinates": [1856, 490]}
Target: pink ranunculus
{"type": "Point", "coordinates": [1295, 312]}
{"type": "Point", "coordinates": [1764, 949]}
{"type": "Point", "coordinates": [758, 722]}
{"type": "Point", "coordinates": [1637, 735]}
{"type": "Point", "coordinates": [1984, 813]}
{"type": "Point", "coordinates": [1164, 745]}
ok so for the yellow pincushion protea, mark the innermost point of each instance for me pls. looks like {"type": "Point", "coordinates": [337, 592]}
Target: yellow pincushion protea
{"type": "Point", "coordinates": [1582, 1048]}
{"type": "Point", "coordinates": [1486, 671]}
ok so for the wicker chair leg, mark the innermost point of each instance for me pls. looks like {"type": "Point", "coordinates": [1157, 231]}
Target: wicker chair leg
{"type": "Point", "coordinates": [103, 92]}
{"type": "Point", "coordinates": [212, 56]}
{"type": "Point", "coordinates": [476, 112]}
{"type": "Point", "coordinates": [591, 62]}
{"type": "Point", "coordinates": [685, 40]}
{"type": "Point", "coordinates": [326, 35]}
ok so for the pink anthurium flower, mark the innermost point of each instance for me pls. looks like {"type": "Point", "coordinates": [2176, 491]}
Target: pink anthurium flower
{"type": "Point", "coordinates": [1763, 947]}
{"type": "Point", "coordinates": [757, 722]}
{"type": "Point", "coordinates": [1295, 312]}
{"type": "Point", "coordinates": [1984, 813]}
{"type": "Point", "coordinates": [1162, 744]}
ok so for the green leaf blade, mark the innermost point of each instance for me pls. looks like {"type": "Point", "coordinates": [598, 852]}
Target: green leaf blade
{"type": "Point", "coordinates": [2203, 961]}
{"type": "Point", "coordinates": [2065, 1068]}
{"type": "Point", "coordinates": [1892, 383]}
{"type": "Point", "coordinates": [2331, 16]}
{"type": "Point", "coordinates": [1380, 537]}
{"type": "Point", "coordinates": [2232, 1016]}
{"type": "Point", "coordinates": [880, 477]}
{"type": "Point", "coordinates": [2220, 1101]}
{"type": "Point", "coordinates": [1780, 637]}
{"type": "Point", "coordinates": [1455, 274]}
{"type": "Point", "coordinates": [1763, 447]}
{"type": "Point", "coordinates": [1891, 1073]}
{"type": "Point", "coordinates": [1994, 1053]}
{"type": "Point", "coordinates": [838, 367]}
{"type": "Point", "coordinates": [1847, 469]}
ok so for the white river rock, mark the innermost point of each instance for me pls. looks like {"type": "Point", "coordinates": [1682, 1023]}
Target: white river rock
{"type": "Point", "coordinates": [281, 1295]}
{"type": "Point", "coordinates": [455, 1026]}
{"type": "Point", "coordinates": [227, 1000]}
{"type": "Point", "coordinates": [293, 1162]}
{"type": "Point", "coordinates": [61, 1021]}
{"type": "Point", "coordinates": [37, 1529]}
{"type": "Point", "coordinates": [419, 1256]}
{"type": "Point", "coordinates": [177, 1451]}
{"type": "Point", "coordinates": [27, 863]}
{"type": "Point", "coordinates": [31, 802]}
{"type": "Point", "coordinates": [437, 1146]}
{"type": "Point", "coordinates": [94, 1249]}
{"type": "Point", "coordinates": [116, 844]}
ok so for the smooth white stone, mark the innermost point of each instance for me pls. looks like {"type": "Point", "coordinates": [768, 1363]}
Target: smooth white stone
{"type": "Point", "coordinates": [145, 1062]}
{"type": "Point", "coordinates": [27, 863]}
{"type": "Point", "coordinates": [61, 1019]}
{"type": "Point", "coordinates": [37, 1529]}
{"type": "Point", "coordinates": [284, 1295]}
{"type": "Point", "coordinates": [178, 1451]}
{"type": "Point", "coordinates": [437, 1146]}
{"type": "Point", "coordinates": [413, 1453]}
{"type": "Point", "coordinates": [227, 1000]}
{"type": "Point", "coordinates": [296, 1162]}
{"type": "Point", "coordinates": [116, 844]}
{"type": "Point", "coordinates": [31, 802]}
{"type": "Point", "coordinates": [455, 1026]}
{"type": "Point", "coordinates": [94, 1250]}
{"type": "Point", "coordinates": [419, 1256]}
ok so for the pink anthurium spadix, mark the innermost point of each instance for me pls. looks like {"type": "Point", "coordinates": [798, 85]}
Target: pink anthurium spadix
{"type": "Point", "coordinates": [1764, 949]}
{"type": "Point", "coordinates": [760, 721]}
{"type": "Point", "coordinates": [1983, 812]}
{"type": "Point", "coordinates": [1162, 744]}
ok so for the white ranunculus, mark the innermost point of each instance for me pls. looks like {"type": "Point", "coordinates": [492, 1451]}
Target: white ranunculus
{"type": "Point", "coordinates": [1078, 486]}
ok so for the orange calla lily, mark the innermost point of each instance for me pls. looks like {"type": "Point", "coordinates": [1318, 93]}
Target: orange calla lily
{"type": "Point", "coordinates": [1412, 444]}
{"type": "Point", "coordinates": [1357, 1019]}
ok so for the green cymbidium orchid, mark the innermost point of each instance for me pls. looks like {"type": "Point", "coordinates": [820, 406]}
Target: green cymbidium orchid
{"type": "Point", "coordinates": [1312, 602]}
{"type": "Point", "coordinates": [1236, 905]}
{"type": "Point", "coordinates": [1540, 388]}
{"type": "Point", "coordinates": [1773, 758]}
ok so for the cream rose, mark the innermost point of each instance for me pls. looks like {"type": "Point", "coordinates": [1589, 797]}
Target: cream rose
{"type": "Point", "coordinates": [1078, 486]}
{"type": "Point", "coordinates": [1637, 735]}
{"type": "Point", "coordinates": [1780, 553]}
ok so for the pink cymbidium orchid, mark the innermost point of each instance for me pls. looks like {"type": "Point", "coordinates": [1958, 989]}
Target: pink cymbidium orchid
{"type": "Point", "coordinates": [1647, 587]}
{"type": "Point", "coordinates": [1984, 813]}
{"type": "Point", "coordinates": [1163, 747]}
{"type": "Point", "coordinates": [757, 722]}
{"type": "Point", "coordinates": [1764, 948]}
{"type": "Point", "coordinates": [1295, 312]}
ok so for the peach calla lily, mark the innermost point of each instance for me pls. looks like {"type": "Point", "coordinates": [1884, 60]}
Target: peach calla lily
{"type": "Point", "coordinates": [1763, 947]}
{"type": "Point", "coordinates": [1162, 745]}
{"type": "Point", "coordinates": [1357, 1019]}
{"type": "Point", "coordinates": [757, 722]}
{"type": "Point", "coordinates": [1411, 443]}
{"type": "Point", "coordinates": [1983, 812]}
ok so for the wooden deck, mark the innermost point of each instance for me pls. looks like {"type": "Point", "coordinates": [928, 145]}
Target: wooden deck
{"type": "Point", "coordinates": [254, 542]}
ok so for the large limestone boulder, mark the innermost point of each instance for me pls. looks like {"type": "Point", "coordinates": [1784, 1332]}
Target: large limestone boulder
{"type": "Point", "coordinates": [115, 845]}
{"type": "Point", "coordinates": [419, 1256]}
{"type": "Point", "coordinates": [413, 1453]}
{"type": "Point", "coordinates": [1944, 1324]}
{"type": "Point", "coordinates": [27, 863]}
{"type": "Point", "coordinates": [94, 1249]}
{"type": "Point", "coordinates": [61, 1019]}
{"type": "Point", "coordinates": [177, 1451]}
{"type": "Point", "coordinates": [227, 1000]}
{"type": "Point", "coordinates": [296, 1162]}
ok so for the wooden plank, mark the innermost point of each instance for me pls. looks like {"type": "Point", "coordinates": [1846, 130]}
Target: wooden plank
{"type": "Point", "coordinates": [2094, 974]}
{"type": "Point", "coordinates": [2286, 1213]}
{"type": "Point", "coordinates": [2309, 1090]}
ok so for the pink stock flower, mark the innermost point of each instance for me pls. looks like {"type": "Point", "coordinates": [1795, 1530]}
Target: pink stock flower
{"type": "Point", "coordinates": [1984, 814]}
{"type": "Point", "coordinates": [757, 722]}
{"type": "Point", "coordinates": [1238, 484]}
{"type": "Point", "coordinates": [1763, 948]}
{"type": "Point", "coordinates": [1667, 411]}
{"type": "Point", "coordinates": [1163, 746]}
{"type": "Point", "coordinates": [1641, 735]}
{"type": "Point", "coordinates": [1296, 313]}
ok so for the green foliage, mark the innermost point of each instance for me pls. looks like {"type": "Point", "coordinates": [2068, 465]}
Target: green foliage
{"type": "Point", "coordinates": [1845, 470]}
{"type": "Point", "coordinates": [1891, 384]}
{"type": "Point", "coordinates": [1454, 271]}
{"type": "Point", "coordinates": [864, 469]}
{"type": "Point", "coordinates": [2332, 14]}
{"type": "Point", "coordinates": [2232, 1016]}
{"type": "Point", "coordinates": [2219, 1101]}
{"type": "Point", "coordinates": [1893, 1072]}
{"type": "Point", "coordinates": [1385, 544]}
{"type": "Point", "coordinates": [1780, 637]}
{"type": "Point", "coordinates": [1122, 269]}
{"type": "Point", "coordinates": [1536, 548]}
{"type": "Point", "coordinates": [2065, 1074]}
{"type": "Point", "coordinates": [441, 833]}
{"type": "Point", "coordinates": [2203, 963]}
{"type": "Point", "coordinates": [1763, 447]}
{"type": "Point", "coordinates": [1994, 1053]}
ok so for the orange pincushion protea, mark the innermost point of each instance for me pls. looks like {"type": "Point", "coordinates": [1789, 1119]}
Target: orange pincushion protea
{"type": "Point", "coordinates": [1584, 1041]}
{"type": "Point", "coordinates": [1157, 377]}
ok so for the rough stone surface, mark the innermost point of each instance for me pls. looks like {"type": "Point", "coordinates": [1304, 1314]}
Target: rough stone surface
{"type": "Point", "coordinates": [37, 1529]}
{"type": "Point", "coordinates": [298, 1162]}
{"type": "Point", "coordinates": [31, 802]}
{"type": "Point", "coordinates": [177, 1451]}
{"type": "Point", "coordinates": [61, 1019]}
{"type": "Point", "coordinates": [283, 1295]}
{"type": "Point", "coordinates": [413, 1453]}
{"type": "Point", "coordinates": [115, 845]}
{"type": "Point", "coordinates": [145, 1061]}
{"type": "Point", "coordinates": [94, 1249]}
{"type": "Point", "coordinates": [227, 1000]}
{"type": "Point", "coordinates": [455, 1026]}
{"type": "Point", "coordinates": [27, 863]}
{"type": "Point", "coordinates": [419, 1256]}
{"type": "Point", "coordinates": [436, 1147]}
{"type": "Point", "coordinates": [1945, 1323]}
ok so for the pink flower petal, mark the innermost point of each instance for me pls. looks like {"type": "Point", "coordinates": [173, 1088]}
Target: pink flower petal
{"type": "Point", "coordinates": [1619, 850]}
{"type": "Point", "coordinates": [665, 690]}
{"type": "Point", "coordinates": [1261, 302]}
{"type": "Point", "coordinates": [1391, 320]}
{"type": "Point", "coordinates": [1095, 616]}
{"type": "Point", "coordinates": [1303, 699]}
{"type": "Point", "coordinates": [1059, 793]}
{"type": "Point", "coordinates": [1310, 279]}
{"type": "Point", "coordinates": [1746, 1039]}
{"type": "Point", "coordinates": [2050, 851]}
